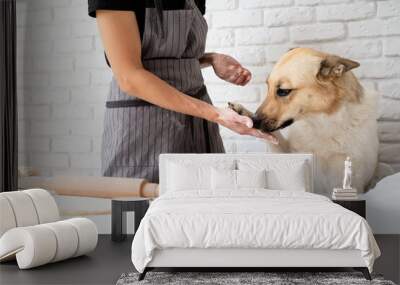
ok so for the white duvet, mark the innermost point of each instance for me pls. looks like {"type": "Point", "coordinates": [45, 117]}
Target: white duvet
{"type": "Point", "coordinates": [250, 219]}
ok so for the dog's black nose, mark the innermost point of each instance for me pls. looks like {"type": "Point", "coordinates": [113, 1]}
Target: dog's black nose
{"type": "Point", "coordinates": [263, 123]}
{"type": "Point", "coordinates": [257, 122]}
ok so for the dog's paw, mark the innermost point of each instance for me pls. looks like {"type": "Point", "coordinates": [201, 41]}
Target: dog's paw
{"type": "Point", "coordinates": [234, 106]}
{"type": "Point", "coordinates": [238, 108]}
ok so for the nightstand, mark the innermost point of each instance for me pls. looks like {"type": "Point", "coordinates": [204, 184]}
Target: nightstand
{"type": "Point", "coordinates": [119, 207]}
{"type": "Point", "coordinates": [357, 206]}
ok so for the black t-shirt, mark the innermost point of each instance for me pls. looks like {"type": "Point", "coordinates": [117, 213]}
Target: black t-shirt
{"type": "Point", "coordinates": [139, 7]}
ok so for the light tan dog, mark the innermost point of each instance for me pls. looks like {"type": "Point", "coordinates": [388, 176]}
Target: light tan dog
{"type": "Point", "coordinates": [329, 114]}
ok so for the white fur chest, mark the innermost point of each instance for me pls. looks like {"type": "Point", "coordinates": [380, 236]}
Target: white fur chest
{"type": "Point", "coordinates": [351, 130]}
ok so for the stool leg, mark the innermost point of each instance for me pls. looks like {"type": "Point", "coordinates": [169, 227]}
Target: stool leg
{"type": "Point", "coordinates": [118, 222]}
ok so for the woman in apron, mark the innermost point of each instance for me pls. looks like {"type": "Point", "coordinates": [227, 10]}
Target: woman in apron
{"type": "Point", "coordinates": [158, 102]}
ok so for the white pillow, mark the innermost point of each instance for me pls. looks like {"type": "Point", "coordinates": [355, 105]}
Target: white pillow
{"type": "Point", "coordinates": [251, 178]}
{"type": "Point", "coordinates": [185, 175]}
{"type": "Point", "coordinates": [223, 179]}
{"type": "Point", "coordinates": [288, 175]}
{"type": "Point", "coordinates": [182, 177]}
{"type": "Point", "coordinates": [290, 179]}
{"type": "Point", "coordinates": [230, 180]}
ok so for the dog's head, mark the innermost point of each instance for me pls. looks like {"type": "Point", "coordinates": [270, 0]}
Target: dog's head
{"type": "Point", "coordinates": [305, 81]}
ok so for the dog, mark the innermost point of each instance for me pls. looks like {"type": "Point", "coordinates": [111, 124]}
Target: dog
{"type": "Point", "coordinates": [327, 112]}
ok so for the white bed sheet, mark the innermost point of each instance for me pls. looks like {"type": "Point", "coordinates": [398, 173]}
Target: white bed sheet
{"type": "Point", "coordinates": [252, 218]}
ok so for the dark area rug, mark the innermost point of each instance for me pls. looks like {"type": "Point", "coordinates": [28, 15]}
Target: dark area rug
{"type": "Point", "coordinates": [244, 278]}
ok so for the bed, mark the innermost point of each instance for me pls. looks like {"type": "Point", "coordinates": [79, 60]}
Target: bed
{"type": "Point", "coordinates": [247, 211]}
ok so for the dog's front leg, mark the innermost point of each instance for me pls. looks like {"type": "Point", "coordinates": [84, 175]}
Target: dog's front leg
{"type": "Point", "coordinates": [282, 146]}
{"type": "Point", "coordinates": [238, 108]}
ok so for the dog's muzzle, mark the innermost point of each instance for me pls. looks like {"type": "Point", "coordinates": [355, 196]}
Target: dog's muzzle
{"type": "Point", "coordinates": [269, 125]}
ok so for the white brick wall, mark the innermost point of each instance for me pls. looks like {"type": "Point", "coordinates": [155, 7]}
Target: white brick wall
{"type": "Point", "coordinates": [365, 30]}
{"type": "Point", "coordinates": [63, 79]}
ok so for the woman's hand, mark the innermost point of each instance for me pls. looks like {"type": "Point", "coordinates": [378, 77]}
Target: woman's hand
{"type": "Point", "coordinates": [241, 124]}
{"type": "Point", "coordinates": [230, 70]}
{"type": "Point", "coordinates": [227, 68]}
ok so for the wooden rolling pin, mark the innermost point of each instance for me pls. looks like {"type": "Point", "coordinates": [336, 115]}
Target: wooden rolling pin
{"type": "Point", "coordinates": [91, 186]}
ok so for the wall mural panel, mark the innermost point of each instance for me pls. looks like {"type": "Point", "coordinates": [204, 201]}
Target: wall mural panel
{"type": "Point", "coordinates": [63, 82]}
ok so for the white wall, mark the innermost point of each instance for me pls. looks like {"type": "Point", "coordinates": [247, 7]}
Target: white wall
{"type": "Point", "coordinates": [63, 79]}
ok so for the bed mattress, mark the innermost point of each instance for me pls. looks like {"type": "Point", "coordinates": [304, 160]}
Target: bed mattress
{"type": "Point", "coordinates": [250, 219]}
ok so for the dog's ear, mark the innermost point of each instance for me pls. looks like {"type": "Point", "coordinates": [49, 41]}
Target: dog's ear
{"type": "Point", "coordinates": [334, 66]}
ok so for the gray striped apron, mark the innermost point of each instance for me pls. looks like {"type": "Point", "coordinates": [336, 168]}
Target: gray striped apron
{"type": "Point", "coordinates": [135, 131]}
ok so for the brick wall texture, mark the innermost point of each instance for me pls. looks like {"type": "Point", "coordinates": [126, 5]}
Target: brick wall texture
{"type": "Point", "coordinates": [63, 79]}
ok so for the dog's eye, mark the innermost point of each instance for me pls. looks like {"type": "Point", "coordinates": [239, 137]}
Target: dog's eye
{"type": "Point", "coordinates": [283, 92]}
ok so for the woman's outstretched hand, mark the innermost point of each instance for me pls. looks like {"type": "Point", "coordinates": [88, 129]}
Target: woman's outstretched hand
{"type": "Point", "coordinates": [229, 69]}
{"type": "Point", "coordinates": [241, 124]}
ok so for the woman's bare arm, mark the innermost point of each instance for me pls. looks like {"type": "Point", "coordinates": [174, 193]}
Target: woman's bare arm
{"type": "Point", "coordinates": [121, 39]}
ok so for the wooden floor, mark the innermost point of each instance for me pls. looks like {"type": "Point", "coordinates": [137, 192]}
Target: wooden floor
{"type": "Point", "coordinates": [110, 260]}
